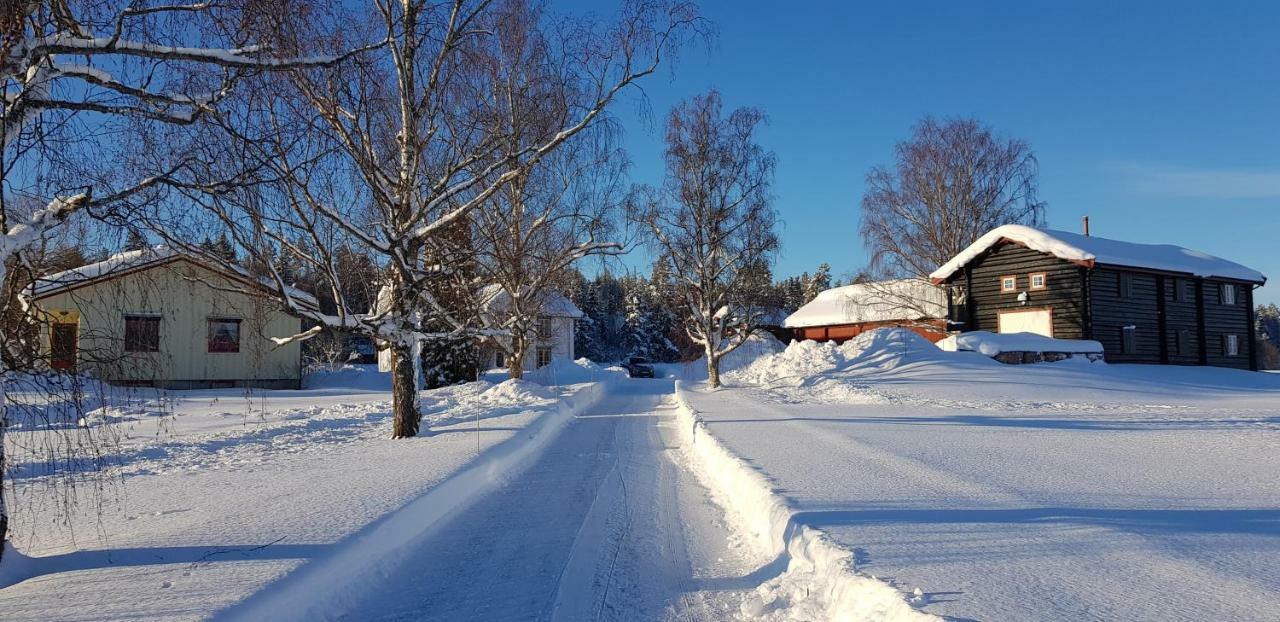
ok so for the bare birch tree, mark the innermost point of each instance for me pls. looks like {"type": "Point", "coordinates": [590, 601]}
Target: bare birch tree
{"type": "Point", "coordinates": [951, 182]}
{"type": "Point", "coordinates": [713, 220]}
{"type": "Point", "coordinates": [72, 76]}
{"type": "Point", "coordinates": [553, 212]}
{"type": "Point", "coordinates": [393, 151]}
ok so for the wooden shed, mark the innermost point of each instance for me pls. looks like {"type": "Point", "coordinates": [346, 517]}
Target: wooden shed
{"type": "Point", "coordinates": [842, 313]}
{"type": "Point", "coordinates": [1146, 303]}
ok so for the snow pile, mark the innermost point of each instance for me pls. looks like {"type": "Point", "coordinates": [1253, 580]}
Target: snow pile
{"type": "Point", "coordinates": [881, 349]}
{"type": "Point", "coordinates": [362, 377]}
{"type": "Point", "coordinates": [821, 582]}
{"type": "Point", "coordinates": [514, 392]}
{"type": "Point", "coordinates": [1090, 250]}
{"type": "Point", "coordinates": [563, 372]}
{"type": "Point", "coordinates": [991, 344]}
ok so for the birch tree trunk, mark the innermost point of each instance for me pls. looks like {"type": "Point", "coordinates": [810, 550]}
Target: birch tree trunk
{"type": "Point", "coordinates": [404, 392]}
{"type": "Point", "coordinates": [519, 350]}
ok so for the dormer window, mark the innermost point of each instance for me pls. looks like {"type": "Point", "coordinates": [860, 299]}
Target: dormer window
{"type": "Point", "coordinates": [1008, 284]}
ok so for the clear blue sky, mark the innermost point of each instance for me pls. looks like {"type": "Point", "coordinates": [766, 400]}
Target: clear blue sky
{"type": "Point", "coordinates": [1158, 120]}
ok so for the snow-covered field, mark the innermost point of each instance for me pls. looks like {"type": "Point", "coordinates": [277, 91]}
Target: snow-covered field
{"type": "Point", "coordinates": [1056, 491]}
{"type": "Point", "coordinates": [883, 480]}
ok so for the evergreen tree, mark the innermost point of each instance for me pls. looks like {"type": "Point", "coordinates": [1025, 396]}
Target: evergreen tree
{"type": "Point", "coordinates": [135, 241]}
{"type": "Point", "coordinates": [818, 283]}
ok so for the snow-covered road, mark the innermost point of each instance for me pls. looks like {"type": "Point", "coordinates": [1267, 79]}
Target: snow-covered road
{"type": "Point", "coordinates": [605, 525]}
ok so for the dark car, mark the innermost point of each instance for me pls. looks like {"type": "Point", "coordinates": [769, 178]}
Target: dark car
{"type": "Point", "coordinates": [638, 367]}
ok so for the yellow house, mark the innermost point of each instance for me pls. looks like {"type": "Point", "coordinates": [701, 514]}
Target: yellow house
{"type": "Point", "coordinates": [157, 317]}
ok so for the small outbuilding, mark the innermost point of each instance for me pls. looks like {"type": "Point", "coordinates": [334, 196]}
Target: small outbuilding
{"type": "Point", "coordinates": [1146, 303]}
{"type": "Point", "coordinates": [159, 317]}
{"type": "Point", "coordinates": [842, 313]}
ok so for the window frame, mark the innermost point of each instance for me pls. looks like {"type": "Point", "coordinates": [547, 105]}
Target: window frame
{"type": "Point", "coordinates": [1231, 344]}
{"type": "Point", "coordinates": [1125, 285]}
{"type": "Point", "coordinates": [131, 346]}
{"type": "Point", "coordinates": [209, 323]}
{"type": "Point", "coordinates": [544, 327]}
{"type": "Point", "coordinates": [1223, 289]}
{"type": "Point", "coordinates": [1182, 290]}
{"type": "Point", "coordinates": [1009, 290]}
{"type": "Point", "coordinates": [538, 356]}
{"type": "Point", "coordinates": [1044, 281]}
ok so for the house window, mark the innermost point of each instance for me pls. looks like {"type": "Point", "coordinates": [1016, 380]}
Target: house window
{"type": "Point", "coordinates": [499, 359]}
{"type": "Point", "coordinates": [1184, 343]}
{"type": "Point", "coordinates": [544, 328]}
{"type": "Point", "coordinates": [544, 357]}
{"type": "Point", "coordinates": [224, 334]}
{"type": "Point", "coordinates": [1039, 280]}
{"type": "Point", "coordinates": [1008, 284]}
{"type": "Point", "coordinates": [1126, 285]}
{"type": "Point", "coordinates": [141, 333]}
{"type": "Point", "coordinates": [1230, 345]}
{"type": "Point", "coordinates": [1129, 339]}
{"type": "Point", "coordinates": [1182, 290]}
{"type": "Point", "coordinates": [1228, 294]}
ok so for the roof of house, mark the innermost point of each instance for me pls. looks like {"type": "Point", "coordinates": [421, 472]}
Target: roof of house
{"type": "Point", "coordinates": [137, 260]}
{"type": "Point", "coordinates": [1090, 250]}
{"type": "Point", "coordinates": [493, 297]}
{"type": "Point", "coordinates": [879, 301]}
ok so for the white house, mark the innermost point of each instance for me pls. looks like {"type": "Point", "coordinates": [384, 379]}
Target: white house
{"type": "Point", "coordinates": [555, 331]}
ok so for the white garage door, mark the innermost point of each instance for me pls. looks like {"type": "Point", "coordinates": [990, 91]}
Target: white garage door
{"type": "Point", "coordinates": [1038, 321]}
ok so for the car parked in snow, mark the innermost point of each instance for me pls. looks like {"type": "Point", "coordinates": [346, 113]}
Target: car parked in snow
{"type": "Point", "coordinates": [638, 367]}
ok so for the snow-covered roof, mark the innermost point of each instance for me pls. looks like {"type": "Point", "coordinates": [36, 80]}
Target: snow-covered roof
{"type": "Point", "coordinates": [137, 260]}
{"type": "Point", "coordinates": [880, 301]}
{"type": "Point", "coordinates": [493, 298]}
{"type": "Point", "coordinates": [1090, 250]}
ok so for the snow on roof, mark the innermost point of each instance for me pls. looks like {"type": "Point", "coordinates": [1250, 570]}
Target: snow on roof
{"type": "Point", "coordinates": [1091, 250]}
{"type": "Point", "coordinates": [903, 299]}
{"type": "Point", "coordinates": [493, 297]}
{"type": "Point", "coordinates": [139, 259]}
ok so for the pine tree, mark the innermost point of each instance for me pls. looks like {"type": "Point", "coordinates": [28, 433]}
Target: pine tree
{"type": "Point", "coordinates": [818, 283]}
{"type": "Point", "coordinates": [135, 241]}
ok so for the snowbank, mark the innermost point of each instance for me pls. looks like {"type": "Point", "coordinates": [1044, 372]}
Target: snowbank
{"type": "Point", "coordinates": [361, 377]}
{"type": "Point", "coordinates": [992, 344]}
{"type": "Point", "coordinates": [757, 345]}
{"type": "Point", "coordinates": [563, 372]}
{"type": "Point", "coordinates": [881, 349]}
{"type": "Point", "coordinates": [821, 582]}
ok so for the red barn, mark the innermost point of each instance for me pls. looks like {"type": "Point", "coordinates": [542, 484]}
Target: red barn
{"type": "Point", "coordinates": [842, 313]}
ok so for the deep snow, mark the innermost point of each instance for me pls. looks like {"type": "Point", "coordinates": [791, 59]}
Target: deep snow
{"type": "Point", "coordinates": [1056, 491]}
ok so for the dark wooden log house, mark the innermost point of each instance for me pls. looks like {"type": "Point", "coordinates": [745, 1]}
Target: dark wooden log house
{"type": "Point", "coordinates": [1145, 303]}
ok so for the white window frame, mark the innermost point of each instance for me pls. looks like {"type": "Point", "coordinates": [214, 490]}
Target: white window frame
{"type": "Point", "coordinates": [1044, 281]}
{"type": "Point", "coordinates": [1005, 280]}
{"type": "Point", "coordinates": [1228, 293]}
{"type": "Point", "coordinates": [544, 356]}
{"type": "Point", "coordinates": [1231, 345]}
{"type": "Point", "coordinates": [544, 327]}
